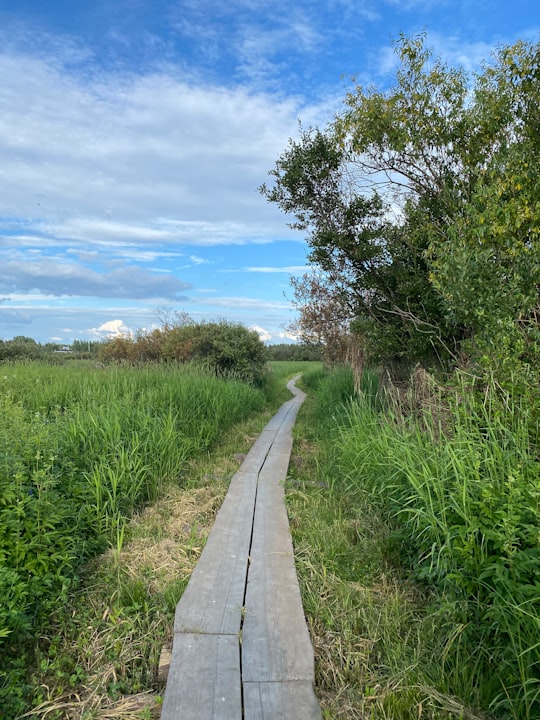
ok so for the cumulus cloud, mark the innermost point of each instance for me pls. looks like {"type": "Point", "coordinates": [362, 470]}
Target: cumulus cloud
{"type": "Point", "coordinates": [263, 334]}
{"type": "Point", "coordinates": [111, 329]}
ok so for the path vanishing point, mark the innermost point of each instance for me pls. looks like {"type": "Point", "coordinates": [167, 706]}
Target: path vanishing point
{"type": "Point", "coordinates": [241, 647]}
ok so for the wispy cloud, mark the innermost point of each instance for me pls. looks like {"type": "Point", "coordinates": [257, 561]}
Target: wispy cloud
{"type": "Point", "coordinates": [196, 260]}
{"type": "Point", "coordinates": [10, 316]}
{"type": "Point", "coordinates": [115, 161]}
{"type": "Point", "coordinates": [245, 303]}
{"type": "Point", "coordinates": [49, 276]}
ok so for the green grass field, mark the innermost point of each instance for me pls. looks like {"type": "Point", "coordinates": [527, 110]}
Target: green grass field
{"type": "Point", "coordinates": [80, 449]}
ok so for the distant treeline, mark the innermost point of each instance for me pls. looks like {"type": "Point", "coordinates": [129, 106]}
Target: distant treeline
{"type": "Point", "coordinates": [26, 348]}
{"type": "Point", "coordinates": [288, 351]}
{"type": "Point", "coordinates": [226, 345]}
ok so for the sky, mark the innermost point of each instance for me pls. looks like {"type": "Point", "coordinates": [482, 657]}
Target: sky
{"type": "Point", "coordinates": [134, 135]}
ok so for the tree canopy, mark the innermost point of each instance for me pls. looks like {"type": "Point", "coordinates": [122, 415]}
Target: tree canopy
{"type": "Point", "coordinates": [421, 205]}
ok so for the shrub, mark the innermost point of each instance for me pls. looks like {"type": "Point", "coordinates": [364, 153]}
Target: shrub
{"type": "Point", "coordinates": [226, 348]}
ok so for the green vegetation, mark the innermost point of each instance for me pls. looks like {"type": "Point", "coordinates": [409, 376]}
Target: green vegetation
{"type": "Point", "coordinates": [81, 449]}
{"type": "Point", "coordinates": [295, 352]}
{"type": "Point", "coordinates": [26, 348]}
{"type": "Point", "coordinates": [226, 348]}
{"type": "Point", "coordinates": [416, 521]}
{"type": "Point", "coordinates": [422, 212]}
{"type": "Point", "coordinates": [418, 542]}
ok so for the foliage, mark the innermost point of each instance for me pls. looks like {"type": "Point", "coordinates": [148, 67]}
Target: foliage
{"type": "Point", "coordinates": [376, 644]}
{"type": "Point", "coordinates": [415, 524]}
{"type": "Point", "coordinates": [86, 348]}
{"type": "Point", "coordinates": [490, 278]}
{"type": "Point", "coordinates": [226, 348]}
{"type": "Point", "coordinates": [294, 351]}
{"type": "Point", "coordinates": [421, 207]}
{"type": "Point", "coordinates": [459, 484]}
{"type": "Point", "coordinates": [80, 450]}
{"type": "Point", "coordinates": [324, 319]}
{"type": "Point", "coordinates": [19, 348]}
{"type": "Point", "coordinates": [26, 348]}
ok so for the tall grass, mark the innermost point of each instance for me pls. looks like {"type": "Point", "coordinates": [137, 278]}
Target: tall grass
{"type": "Point", "coordinates": [282, 370]}
{"type": "Point", "coordinates": [80, 449]}
{"type": "Point", "coordinates": [415, 520]}
{"type": "Point", "coordinates": [461, 490]}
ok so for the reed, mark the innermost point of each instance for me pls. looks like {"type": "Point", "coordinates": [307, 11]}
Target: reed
{"type": "Point", "coordinates": [464, 507]}
{"type": "Point", "coordinates": [415, 521]}
{"type": "Point", "coordinates": [80, 450]}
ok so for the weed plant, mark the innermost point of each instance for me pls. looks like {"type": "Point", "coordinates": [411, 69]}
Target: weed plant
{"type": "Point", "coordinates": [80, 449]}
{"type": "Point", "coordinates": [99, 654]}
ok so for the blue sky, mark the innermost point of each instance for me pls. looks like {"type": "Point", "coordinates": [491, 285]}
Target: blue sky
{"type": "Point", "coordinates": [134, 135]}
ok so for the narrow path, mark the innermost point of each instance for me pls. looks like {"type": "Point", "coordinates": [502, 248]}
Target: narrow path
{"type": "Point", "coordinates": [241, 646]}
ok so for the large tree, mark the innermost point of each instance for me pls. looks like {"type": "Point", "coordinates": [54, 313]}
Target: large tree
{"type": "Point", "coordinates": [421, 208]}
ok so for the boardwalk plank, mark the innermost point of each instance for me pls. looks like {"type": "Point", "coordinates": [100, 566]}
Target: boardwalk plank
{"type": "Point", "coordinates": [213, 599]}
{"type": "Point", "coordinates": [246, 571]}
{"type": "Point", "coordinates": [204, 679]}
{"type": "Point", "coordinates": [275, 641]}
{"type": "Point", "coordinates": [280, 701]}
{"type": "Point", "coordinates": [256, 457]}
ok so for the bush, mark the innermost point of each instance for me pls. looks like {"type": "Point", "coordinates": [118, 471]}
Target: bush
{"type": "Point", "coordinates": [229, 349]}
{"type": "Point", "coordinates": [226, 348]}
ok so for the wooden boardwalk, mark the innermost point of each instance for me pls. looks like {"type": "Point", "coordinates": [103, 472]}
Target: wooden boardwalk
{"type": "Point", "coordinates": [241, 647]}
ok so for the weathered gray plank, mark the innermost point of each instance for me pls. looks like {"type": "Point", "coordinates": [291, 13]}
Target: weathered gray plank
{"type": "Point", "coordinates": [277, 420]}
{"type": "Point", "coordinates": [256, 456]}
{"type": "Point", "coordinates": [281, 445]}
{"type": "Point", "coordinates": [280, 701]}
{"type": "Point", "coordinates": [275, 641]}
{"type": "Point", "coordinates": [204, 679]}
{"type": "Point", "coordinates": [291, 386]}
{"type": "Point", "coordinates": [213, 599]}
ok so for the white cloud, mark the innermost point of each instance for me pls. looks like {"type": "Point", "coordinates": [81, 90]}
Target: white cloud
{"type": "Point", "coordinates": [453, 49]}
{"type": "Point", "coordinates": [196, 260]}
{"type": "Point", "coordinates": [460, 52]}
{"type": "Point", "coordinates": [111, 329]}
{"type": "Point", "coordinates": [245, 303]}
{"type": "Point", "coordinates": [263, 334]}
{"type": "Point", "coordinates": [56, 277]}
{"type": "Point", "coordinates": [13, 316]}
{"type": "Point", "coordinates": [415, 4]}
{"type": "Point", "coordinates": [285, 335]}
{"type": "Point", "coordinates": [119, 157]}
